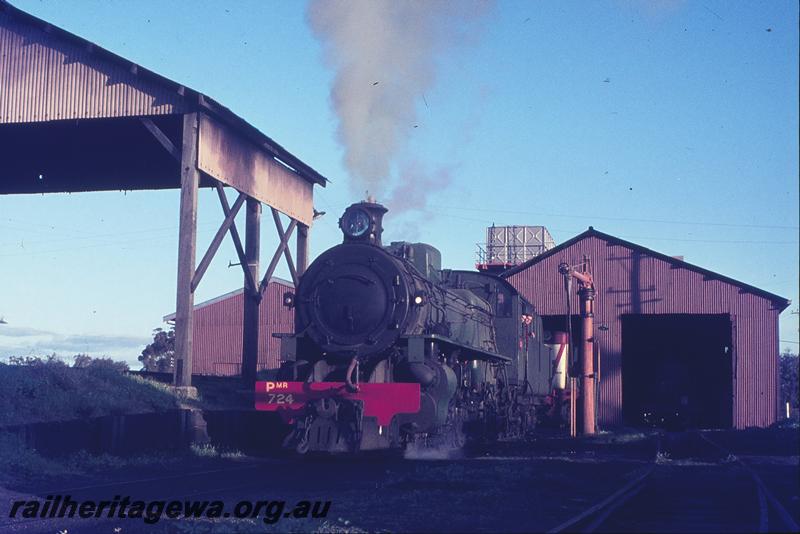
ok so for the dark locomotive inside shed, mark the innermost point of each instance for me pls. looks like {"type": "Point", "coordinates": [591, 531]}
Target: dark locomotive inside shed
{"type": "Point", "coordinates": [677, 371]}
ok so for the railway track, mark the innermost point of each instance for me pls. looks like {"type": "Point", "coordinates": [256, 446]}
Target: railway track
{"type": "Point", "coordinates": [674, 482]}
{"type": "Point", "coordinates": [111, 488]}
{"type": "Point", "coordinates": [765, 496]}
{"type": "Point", "coordinates": [379, 494]}
{"type": "Point", "coordinates": [693, 484]}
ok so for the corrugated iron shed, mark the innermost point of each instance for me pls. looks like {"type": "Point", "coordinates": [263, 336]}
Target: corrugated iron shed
{"type": "Point", "coordinates": [632, 279]}
{"type": "Point", "coordinates": [217, 330]}
{"type": "Point", "coordinates": [76, 117]}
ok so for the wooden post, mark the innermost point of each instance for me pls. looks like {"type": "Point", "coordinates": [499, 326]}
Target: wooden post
{"type": "Point", "coordinates": [187, 247]}
{"type": "Point", "coordinates": [252, 250]}
{"type": "Point", "coordinates": [302, 249]}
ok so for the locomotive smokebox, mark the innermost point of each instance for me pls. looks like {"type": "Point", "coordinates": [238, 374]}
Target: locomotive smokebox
{"type": "Point", "coordinates": [355, 299]}
{"type": "Point", "coordinates": [362, 222]}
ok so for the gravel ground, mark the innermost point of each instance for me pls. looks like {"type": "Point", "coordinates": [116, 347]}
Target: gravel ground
{"type": "Point", "coordinates": [486, 494]}
{"type": "Point", "coordinates": [517, 487]}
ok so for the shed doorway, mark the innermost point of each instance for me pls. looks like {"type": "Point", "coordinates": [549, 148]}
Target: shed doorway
{"type": "Point", "coordinates": [677, 371]}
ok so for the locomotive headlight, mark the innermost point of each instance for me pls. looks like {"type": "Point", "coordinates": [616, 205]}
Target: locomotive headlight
{"type": "Point", "coordinates": [419, 299]}
{"type": "Point", "coordinates": [355, 222]}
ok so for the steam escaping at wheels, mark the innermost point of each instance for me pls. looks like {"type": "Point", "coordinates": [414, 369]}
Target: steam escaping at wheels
{"type": "Point", "coordinates": [390, 351]}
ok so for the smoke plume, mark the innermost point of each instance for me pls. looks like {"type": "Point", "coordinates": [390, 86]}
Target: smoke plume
{"type": "Point", "coordinates": [384, 54]}
{"type": "Point", "coordinates": [415, 185]}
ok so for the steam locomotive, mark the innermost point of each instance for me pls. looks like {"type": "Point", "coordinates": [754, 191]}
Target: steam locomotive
{"type": "Point", "coordinates": [389, 349]}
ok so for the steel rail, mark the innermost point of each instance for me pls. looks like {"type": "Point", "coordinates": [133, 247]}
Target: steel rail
{"type": "Point", "coordinates": [593, 517]}
{"type": "Point", "coordinates": [764, 495]}
{"type": "Point", "coordinates": [604, 508]}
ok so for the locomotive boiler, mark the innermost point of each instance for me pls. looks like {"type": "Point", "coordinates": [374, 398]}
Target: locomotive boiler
{"type": "Point", "coordinates": [390, 349]}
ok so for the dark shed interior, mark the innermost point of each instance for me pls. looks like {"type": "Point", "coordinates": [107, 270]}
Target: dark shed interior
{"type": "Point", "coordinates": [88, 155]}
{"type": "Point", "coordinates": [677, 371]}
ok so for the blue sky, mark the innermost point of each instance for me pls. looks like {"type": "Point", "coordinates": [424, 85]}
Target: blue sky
{"type": "Point", "coordinates": [670, 124]}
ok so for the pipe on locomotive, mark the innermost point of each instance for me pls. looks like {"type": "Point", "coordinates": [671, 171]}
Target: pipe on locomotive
{"type": "Point", "coordinates": [348, 376]}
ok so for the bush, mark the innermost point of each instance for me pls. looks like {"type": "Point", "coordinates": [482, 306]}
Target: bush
{"type": "Point", "coordinates": [83, 361]}
{"type": "Point", "coordinates": [34, 390]}
{"type": "Point", "coordinates": [35, 360]}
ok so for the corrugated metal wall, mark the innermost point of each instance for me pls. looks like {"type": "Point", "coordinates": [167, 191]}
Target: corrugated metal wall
{"type": "Point", "coordinates": [217, 337]}
{"type": "Point", "coordinates": [630, 282]}
{"type": "Point", "coordinates": [47, 77]}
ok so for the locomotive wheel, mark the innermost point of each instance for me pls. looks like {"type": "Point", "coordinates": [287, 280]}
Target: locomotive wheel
{"type": "Point", "coordinates": [299, 438]}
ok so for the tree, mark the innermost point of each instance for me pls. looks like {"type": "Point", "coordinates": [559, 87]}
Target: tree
{"type": "Point", "coordinates": [81, 360]}
{"type": "Point", "coordinates": [159, 356]}
{"type": "Point", "coordinates": [789, 382]}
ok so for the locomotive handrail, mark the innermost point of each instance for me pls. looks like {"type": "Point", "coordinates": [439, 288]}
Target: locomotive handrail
{"type": "Point", "coordinates": [486, 355]}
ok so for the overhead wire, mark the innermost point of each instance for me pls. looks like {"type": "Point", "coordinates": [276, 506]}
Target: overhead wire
{"type": "Point", "coordinates": [626, 236]}
{"type": "Point", "coordinates": [108, 239]}
{"type": "Point", "coordinates": [625, 219]}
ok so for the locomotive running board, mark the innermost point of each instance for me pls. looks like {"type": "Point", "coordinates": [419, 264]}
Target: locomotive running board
{"type": "Point", "coordinates": [380, 400]}
{"type": "Point", "coordinates": [417, 344]}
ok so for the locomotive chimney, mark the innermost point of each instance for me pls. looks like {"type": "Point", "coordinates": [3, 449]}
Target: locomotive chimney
{"type": "Point", "coordinates": [362, 222]}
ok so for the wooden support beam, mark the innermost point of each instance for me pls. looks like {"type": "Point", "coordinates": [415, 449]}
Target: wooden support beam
{"type": "Point", "coordinates": [250, 281]}
{"type": "Point", "coordinates": [187, 245]}
{"type": "Point", "coordinates": [228, 155]}
{"type": "Point", "coordinates": [217, 241]}
{"type": "Point", "coordinates": [277, 256]}
{"type": "Point", "coordinates": [302, 248]}
{"type": "Point", "coordinates": [251, 301]}
{"type": "Point", "coordinates": [161, 137]}
{"type": "Point", "coordinates": [287, 252]}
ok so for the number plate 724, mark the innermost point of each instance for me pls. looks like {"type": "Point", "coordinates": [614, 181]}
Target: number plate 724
{"type": "Point", "coordinates": [279, 398]}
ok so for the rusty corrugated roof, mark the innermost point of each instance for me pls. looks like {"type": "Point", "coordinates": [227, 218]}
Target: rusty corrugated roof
{"type": "Point", "coordinates": [136, 90]}
{"type": "Point", "coordinates": [779, 302]}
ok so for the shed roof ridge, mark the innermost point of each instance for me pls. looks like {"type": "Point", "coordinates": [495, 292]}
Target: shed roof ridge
{"type": "Point", "coordinates": [226, 296]}
{"type": "Point", "coordinates": [781, 302]}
